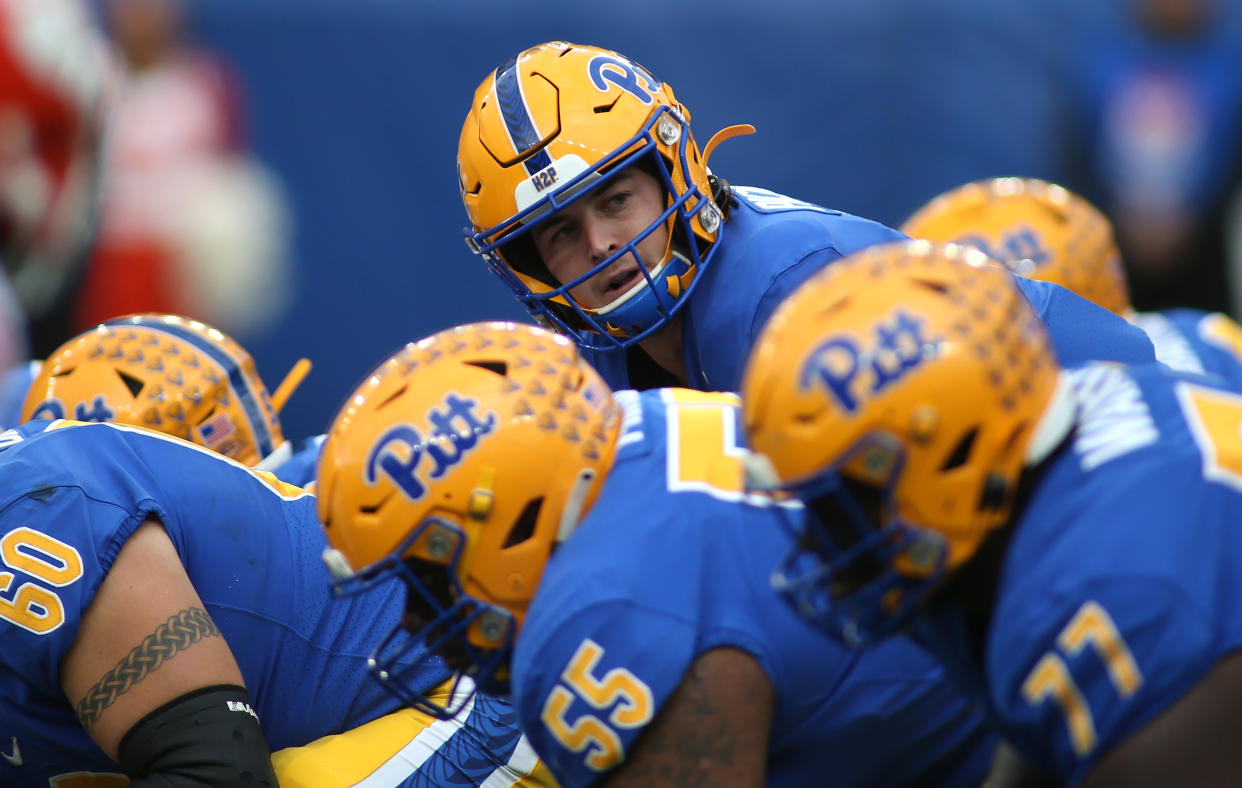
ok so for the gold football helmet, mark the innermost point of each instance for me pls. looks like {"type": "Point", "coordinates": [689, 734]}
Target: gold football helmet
{"type": "Point", "coordinates": [545, 129]}
{"type": "Point", "coordinates": [458, 466]}
{"type": "Point", "coordinates": [1038, 229]}
{"type": "Point", "coordinates": [170, 374]}
{"type": "Point", "coordinates": [896, 393]}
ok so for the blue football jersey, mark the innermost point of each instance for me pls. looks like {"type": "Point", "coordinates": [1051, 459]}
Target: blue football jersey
{"type": "Point", "coordinates": [69, 498]}
{"type": "Point", "coordinates": [1190, 340]}
{"type": "Point", "coordinates": [1117, 591]}
{"type": "Point", "coordinates": [300, 469]}
{"type": "Point", "coordinates": [773, 243]}
{"type": "Point", "coordinates": [675, 559]}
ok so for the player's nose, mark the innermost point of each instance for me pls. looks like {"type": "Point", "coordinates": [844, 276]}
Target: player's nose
{"type": "Point", "coordinates": [601, 238]}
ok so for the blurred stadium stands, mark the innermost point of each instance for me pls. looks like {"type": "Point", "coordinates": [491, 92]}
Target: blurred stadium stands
{"type": "Point", "coordinates": [871, 107]}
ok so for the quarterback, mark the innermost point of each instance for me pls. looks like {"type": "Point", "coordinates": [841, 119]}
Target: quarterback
{"type": "Point", "coordinates": [587, 194]}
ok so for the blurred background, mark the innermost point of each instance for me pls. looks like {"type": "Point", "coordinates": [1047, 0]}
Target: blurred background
{"type": "Point", "coordinates": [285, 169]}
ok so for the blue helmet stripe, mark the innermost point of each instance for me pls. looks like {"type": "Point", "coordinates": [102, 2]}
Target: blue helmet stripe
{"type": "Point", "coordinates": [518, 122]}
{"type": "Point", "coordinates": [245, 393]}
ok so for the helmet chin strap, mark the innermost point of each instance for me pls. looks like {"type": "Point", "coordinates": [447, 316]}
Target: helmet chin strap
{"type": "Point", "coordinates": [571, 514]}
{"type": "Point", "coordinates": [279, 456]}
{"type": "Point", "coordinates": [1055, 422]}
{"type": "Point", "coordinates": [674, 283]}
{"type": "Point", "coordinates": [337, 563]}
{"type": "Point", "coordinates": [655, 272]}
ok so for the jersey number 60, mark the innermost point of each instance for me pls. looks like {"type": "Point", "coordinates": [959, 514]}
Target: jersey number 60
{"type": "Point", "coordinates": [33, 607]}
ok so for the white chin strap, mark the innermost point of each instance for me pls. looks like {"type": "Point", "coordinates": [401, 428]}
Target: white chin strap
{"type": "Point", "coordinates": [572, 511]}
{"type": "Point", "coordinates": [1055, 422]}
{"type": "Point", "coordinates": [277, 458]}
{"type": "Point", "coordinates": [760, 473]}
{"type": "Point", "coordinates": [337, 563]}
{"type": "Point", "coordinates": [620, 300]}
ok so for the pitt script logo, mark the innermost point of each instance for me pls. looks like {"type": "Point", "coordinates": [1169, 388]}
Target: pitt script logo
{"type": "Point", "coordinates": [455, 430]}
{"type": "Point", "coordinates": [851, 370]}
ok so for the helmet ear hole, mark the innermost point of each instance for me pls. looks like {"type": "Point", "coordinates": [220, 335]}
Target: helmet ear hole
{"type": "Point", "coordinates": [132, 383]}
{"type": "Point", "coordinates": [961, 452]}
{"type": "Point", "coordinates": [499, 367]}
{"type": "Point", "coordinates": [524, 528]}
{"type": "Point", "coordinates": [995, 492]}
{"type": "Point", "coordinates": [936, 287]}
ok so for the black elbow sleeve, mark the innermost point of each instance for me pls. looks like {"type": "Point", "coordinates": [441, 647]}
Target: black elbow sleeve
{"type": "Point", "coordinates": [207, 737]}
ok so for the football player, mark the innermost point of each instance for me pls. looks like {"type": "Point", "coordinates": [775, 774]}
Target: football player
{"type": "Point", "coordinates": [1043, 231]}
{"type": "Point", "coordinates": [168, 373]}
{"type": "Point", "coordinates": [491, 460]}
{"type": "Point", "coordinates": [164, 603]}
{"type": "Point", "coordinates": [103, 375]}
{"type": "Point", "coordinates": [587, 194]}
{"type": "Point", "coordinates": [181, 377]}
{"type": "Point", "coordinates": [1064, 540]}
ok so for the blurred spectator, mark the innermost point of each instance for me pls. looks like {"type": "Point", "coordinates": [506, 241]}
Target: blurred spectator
{"type": "Point", "coordinates": [52, 65]}
{"type": "Point", "coordinates": [1160, 145]}
{"type": "Point", "coordinates": [189, 222]}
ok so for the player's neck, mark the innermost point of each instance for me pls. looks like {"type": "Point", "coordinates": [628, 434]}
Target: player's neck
{"type": "Point", "coordinates": [975, 585]}
{"type": "Point", "coordinates": [665, 348]}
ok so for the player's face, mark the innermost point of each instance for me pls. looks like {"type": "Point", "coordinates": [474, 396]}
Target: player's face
{"type": "Point", "coordinates": [578, 238]}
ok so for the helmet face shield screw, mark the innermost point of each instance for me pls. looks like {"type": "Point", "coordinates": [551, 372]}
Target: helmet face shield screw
{"type": "Point", "coordinates": [709, 217]}
{"type": "Point", "coordinates": [667, 131]}
{"type": "Point", "coordinates": [439, 543]}
{"type": "Point", "coordinates": [492, 626]}
{"type": "Point", "coordinates": [925, 552]}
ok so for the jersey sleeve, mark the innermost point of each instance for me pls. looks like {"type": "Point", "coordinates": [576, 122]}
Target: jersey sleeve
{"type": "Point", "coordinates": [1218, 340]}
{"type": "Point", "coordinates": [588, 686]}
{"type": "Point", "coordinates": [1082, 331]}
{"type": "Point", "coordinates": [1083, 680]}
{"type": "Point", "coordinates": [56, 545]}
{"type": "Point", "coordinates": [850, 234]}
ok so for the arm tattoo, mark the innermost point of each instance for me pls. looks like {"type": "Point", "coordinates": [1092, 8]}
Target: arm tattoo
{"type": "Point", "coordinates": [176, 634]}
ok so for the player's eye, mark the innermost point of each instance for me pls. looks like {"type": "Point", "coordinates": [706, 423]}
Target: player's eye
{"type": "Point", "coordinates": [555, 234]}
{"type": "Point", "coordinates": [616, 200]}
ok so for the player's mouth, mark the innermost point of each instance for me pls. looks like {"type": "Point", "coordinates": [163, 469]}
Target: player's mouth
{"type": "Point", "coordinates": [619, 282]}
